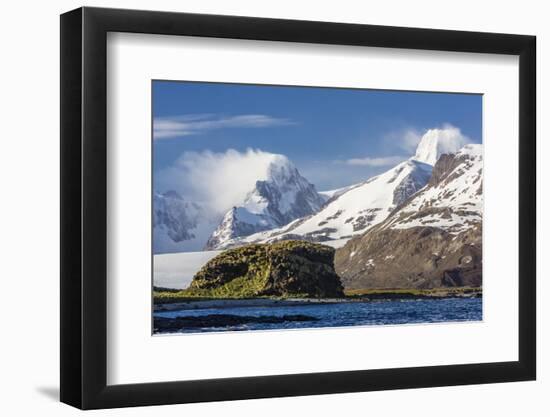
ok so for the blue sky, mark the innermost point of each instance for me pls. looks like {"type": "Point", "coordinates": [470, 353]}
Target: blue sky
{"type": "Point", "coordinates": [335, 137]}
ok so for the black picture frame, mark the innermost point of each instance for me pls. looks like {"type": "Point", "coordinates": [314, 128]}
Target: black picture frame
{"type": "Point", "coordinates": [84, 207]}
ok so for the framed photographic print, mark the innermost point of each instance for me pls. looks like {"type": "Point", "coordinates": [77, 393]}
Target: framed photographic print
{"type": "Point", "coordinates": [257, 208]}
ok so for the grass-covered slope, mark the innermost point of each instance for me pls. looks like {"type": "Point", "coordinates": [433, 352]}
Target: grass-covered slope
{"type": "Point", "coordinates": [282, 269]}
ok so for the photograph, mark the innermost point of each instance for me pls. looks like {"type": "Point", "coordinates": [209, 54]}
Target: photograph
{"type": "Point", "coordinates": [274, 205]}
{"type": "Point", "coordinates": [291, 207]}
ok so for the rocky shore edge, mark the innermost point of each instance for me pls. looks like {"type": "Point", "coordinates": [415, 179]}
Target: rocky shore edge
{"type": "Point", "coordinates": [174, 300]}
{"type": "Point", "coordinates": [170, 325]}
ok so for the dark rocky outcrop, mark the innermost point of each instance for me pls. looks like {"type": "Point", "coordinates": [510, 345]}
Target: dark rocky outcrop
{"type": "Point", "coordinates": [418, 257]}
{"type": "Point", "coordinates": [167, 325]}
{"type": "Point", "coordinates": [282, 269]}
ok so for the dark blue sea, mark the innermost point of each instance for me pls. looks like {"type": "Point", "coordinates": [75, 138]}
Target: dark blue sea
{"type": "Point", "coordinates": [315, 315]}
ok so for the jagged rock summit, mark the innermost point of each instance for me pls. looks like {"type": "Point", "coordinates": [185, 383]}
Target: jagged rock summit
{"type": "Point", "coordinates": [278, 199]}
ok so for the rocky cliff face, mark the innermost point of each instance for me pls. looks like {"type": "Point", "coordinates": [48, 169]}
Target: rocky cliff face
{"type": "Point", "coordinates": [285, 269]}
{"type": "Point", "coordinates": [418, 257]}
{"type": "Point", "coordinates": [434, 239]}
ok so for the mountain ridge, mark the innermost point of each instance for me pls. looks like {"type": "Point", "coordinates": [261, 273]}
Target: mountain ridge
{"type": "Point", "coordinates": [433, 240]}
{"type": "Point", "coordinates": [351, 210]}
{"type": "Point", "coordinates": [283, 205]}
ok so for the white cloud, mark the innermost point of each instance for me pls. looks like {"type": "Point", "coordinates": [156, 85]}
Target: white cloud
{"type": "Point", "coordinates": [408, 139]}
{"type": "Point", "coordinates": [376, 162]}
{"type": "Point", "coordinates": [436, 142]}
{"type": "Point", "coordinates": [218, 181]}
{"type": "Point", "coordinates": [404, 139]}
{"type": "Point", "coordinates": [450, 137]}
{"type": "Point", "coordinates": [194, 124]}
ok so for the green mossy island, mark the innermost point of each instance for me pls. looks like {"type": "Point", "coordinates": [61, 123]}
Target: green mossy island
{"type": "Point", "coordinates": [368, 294]}
{"type": "Point", "coordinates": [288, 269]}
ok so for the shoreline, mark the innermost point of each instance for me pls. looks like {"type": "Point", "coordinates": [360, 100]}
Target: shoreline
{"type": "Point", "coordinates": [170, 301]}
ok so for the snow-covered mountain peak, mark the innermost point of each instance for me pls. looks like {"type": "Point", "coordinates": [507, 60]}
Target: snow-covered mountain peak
{"type": "Point", "coordinates": [283, 196]}
{"type": "Point", "coordinates": [436, 142]}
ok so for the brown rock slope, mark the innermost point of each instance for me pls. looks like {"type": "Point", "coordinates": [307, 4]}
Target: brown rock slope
{"type": "Point", "coordinates": [418, 257]}
{"type": "Point", "coordinates": [433, 240]}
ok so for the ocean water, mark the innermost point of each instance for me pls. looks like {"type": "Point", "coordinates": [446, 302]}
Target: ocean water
{"type": "Point", "coordinates": [391, 312]}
